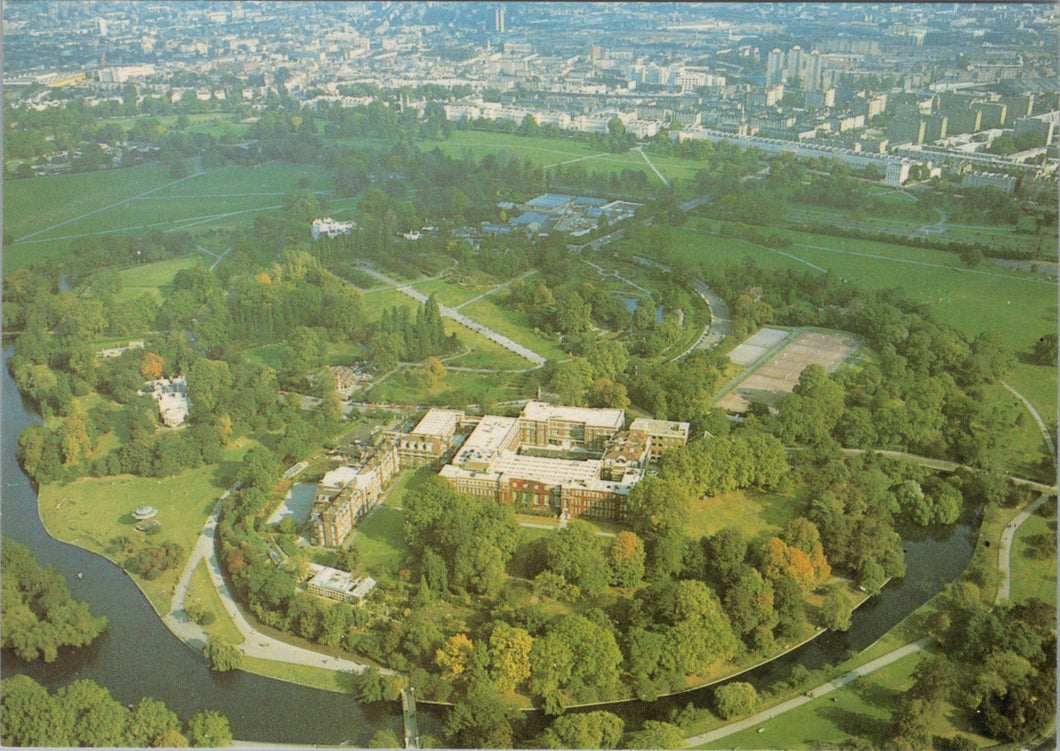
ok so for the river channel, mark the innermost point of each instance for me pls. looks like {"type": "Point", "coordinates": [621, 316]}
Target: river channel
{"type": "Point", "coordinates": [138, 656]}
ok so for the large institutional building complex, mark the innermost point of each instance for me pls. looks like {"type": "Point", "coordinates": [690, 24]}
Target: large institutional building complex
{"type": "Point", "coordinates": [507, 458]}
{"type": "Point", "coordinates": [567, 461]}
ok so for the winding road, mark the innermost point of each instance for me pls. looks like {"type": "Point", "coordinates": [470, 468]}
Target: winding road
{"type": "Point", "coordinates": [255, 644]}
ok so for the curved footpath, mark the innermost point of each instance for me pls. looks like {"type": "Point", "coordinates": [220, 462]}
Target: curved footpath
{"type": "Point", "coordinates": [1037, 418]}
{"type": "Point", "coordinates": [816, 693]}
{"type": "Point", "coordinates": [256, 644]}
{"type": "Point", "coordinates": [1004, 549]}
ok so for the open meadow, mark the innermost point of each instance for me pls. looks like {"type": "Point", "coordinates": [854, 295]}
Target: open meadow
{"type": "Point", "coordinates": [93, 512]}
{"type": "Point", "coordinates": [45, 214]}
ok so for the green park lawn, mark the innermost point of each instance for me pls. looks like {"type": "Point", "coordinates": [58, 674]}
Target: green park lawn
{"type": "Point", "coordinates": [1038, 384]}
{"type": "Point", "coordinates": [154, 278]}
{"type": "Point", "coordinates": [758, 516]}
{"type": "Point", "coordinates": [1022, 448]}
{"type": "Point", "coordinates": [276, 178]}
{"type": "Point", "coordinates": [91, 512]}
{"type": "Point", "coordinates": [385, 298]}
{"type": "Point", "coordinates": [35, 204]}
{"type": "Point", "coordinates": [202, 593]}
{"type": "Point", "coordinates": [266, 356]}
{"type": "Point", "coordinates": [450, 294]}
{"type": "Point", "coordinates": [380, 541]}
{"type": "Point", "coordinates": [463, 389]}
{"type": "Point", "coordinates": [210, 123]}
{"type": "Point", "coordinates": [304, 675]}
{"type": "Point", "coordinates": [540, 151]}
{"type": "Point", "coordinates": [512, 324]}
{"type": "Point", "coordinates": [1033, 570]}
{"type": "Point", "coordinates": [39, 204]}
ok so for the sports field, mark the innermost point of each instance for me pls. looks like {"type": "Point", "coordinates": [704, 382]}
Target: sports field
{"type": "Point", "coordinates": [1020, 306]}
{"type": "Point", "coordinates": [779, 374]}
{"type": "Point", "coordinates": [756, 346]}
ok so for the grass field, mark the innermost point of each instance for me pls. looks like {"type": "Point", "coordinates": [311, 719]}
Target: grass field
{"type": "Point", "coordinates": [201, 592]}
{"type": "Point", "coordinates": [1038, 384]}
{"type": "Point", "coordinates": [210, 123]}
{"type": "Point", "coordinates": [267, 355]}
{"type": "Point", "coordinates": [466, 388]}
{"type": "Point", "coordinates": [155, 278]}
{"type": "Point", "coordinates": [90, 203]}
{"type": "Point", "coordinates": [304, 675]}
{"type": "Point", "coordinates": [380, 541]}
{"type": "Point", "coordinates": [757, 515]}
{"type": "Point", "coordinates": [35, 204]}
{"type": "Point", "coordinates": [450, 294]}
{"type": "Point", "coordinates": [1021, 447]}
{"type": "Point", "coordinates": [273, 178]}
{"type": "Point", "coordinates": [512, 324]}
{"type": "Point", "coordinates": [92, 512]}
{"type": "Point", "coordinates": [1034, 575]}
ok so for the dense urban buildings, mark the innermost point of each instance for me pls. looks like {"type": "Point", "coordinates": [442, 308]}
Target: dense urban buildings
{"type": "Point", "coordinates": [891, 87]}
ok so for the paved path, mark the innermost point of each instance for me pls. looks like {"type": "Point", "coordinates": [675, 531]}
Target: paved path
{"type": "Point", "coordinates": [653, 167]}
{"type": "Point", "coordinates": [408, 714]}
{"type": "Point", "coordinates": [694, 203]}
{"type": "Point", "coordinates": [610, 272]}
{"type": "Point", "coordinates": [825, 688]}
{"type": "Point", "coordinates": [495, 289]}
{"type": "Point", "coordinates": [720, 323]}
{"type": "Point", "coordinates": [1004, 550]}
{"type": "Point", "coordinates": [1038, 419]}
{"type": "Point", "coordinates": [937, 228]}
{"type": "Point", "coordinates": [459, 317]}
{"type": "Point", "coordinates": [256, 644]}
{"type": "Point", "coordinates": [221, 258]}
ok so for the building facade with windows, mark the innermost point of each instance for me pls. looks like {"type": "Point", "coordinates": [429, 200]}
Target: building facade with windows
{"type": "Point", "coordinates": [345, 495]}
{"type": "Point", "coordinates": [494, 461]}
{"type": "Point", "coordinates": [546, 425]}
{"type": "Point", "coordinates": [431, 437]}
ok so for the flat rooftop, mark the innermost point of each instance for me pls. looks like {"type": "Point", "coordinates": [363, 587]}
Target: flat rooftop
{"type": "Point", "coordinates": [335, 580]}
{"type": "Point", "coordinates": [437, 422]}
{"type": "Point", "coordinates": [339, 477]}
{"type": "Point", "coordinates": [597, 418]}
{"type": "Point", "coordinates": [487, 438]}
{"type": "Point", "coordinates": [548, 471]}
{"type": "Point", "coordinates": [660, 427]}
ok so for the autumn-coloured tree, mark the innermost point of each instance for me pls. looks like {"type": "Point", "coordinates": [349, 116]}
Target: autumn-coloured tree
{"type": "Point", "coordinates": [627, 559]}
{"type": "Point", "coordinates": [152, 365]}
{"type": "Point", "coordinates": [455, 655]}
{"type": "Point", "coordinates": [510, 656]}
{"type": "Point", "coordinates": [435, 367]}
